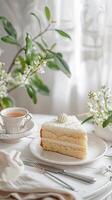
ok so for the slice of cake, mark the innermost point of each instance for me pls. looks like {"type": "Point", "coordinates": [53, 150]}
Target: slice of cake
{"type": "Point", "coordinates": [65, 135]}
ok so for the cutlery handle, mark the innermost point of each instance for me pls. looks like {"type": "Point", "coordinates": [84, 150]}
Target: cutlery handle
{"type": "Point", "coordinates": [60, 181]}
{"type": "Point", "coordinates": [88, 179]}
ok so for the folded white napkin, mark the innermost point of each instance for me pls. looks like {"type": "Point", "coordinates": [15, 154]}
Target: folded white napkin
{"type": "Point", "coordinates": [11, 166]}
{"type": "Point", "coordinates": [19, 184]}
{"type": "Point", "coordinates": [29, 188]}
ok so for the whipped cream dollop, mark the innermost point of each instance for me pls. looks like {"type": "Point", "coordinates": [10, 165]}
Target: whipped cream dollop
{"type": "Point", "coordinates": [62, 118]}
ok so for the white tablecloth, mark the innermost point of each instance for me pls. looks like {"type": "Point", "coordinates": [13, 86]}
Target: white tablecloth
{"type": "Point", "coordinates": [97, 191]}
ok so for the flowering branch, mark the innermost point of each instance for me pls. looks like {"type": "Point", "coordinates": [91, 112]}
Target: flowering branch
{"type": "Point", "coordinates": [21, 49]}
{"type": "Point", "coordinates": [30, 60]}
{"type": "Point", "coordinates": [100, 107]}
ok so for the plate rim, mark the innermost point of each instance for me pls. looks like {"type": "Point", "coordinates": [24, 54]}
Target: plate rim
{"type": "Point", "coordinates": [13, 136]}
{"type": "Point", "coordinates": [75, 163]}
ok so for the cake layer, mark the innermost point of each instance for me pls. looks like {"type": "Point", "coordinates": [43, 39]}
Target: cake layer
{"type": "Point", "coordinates": [60, 136]}
{"type": "Point", "coordinates": [64, 143]}
{"type": "Point", "coordinates": [77, 152]}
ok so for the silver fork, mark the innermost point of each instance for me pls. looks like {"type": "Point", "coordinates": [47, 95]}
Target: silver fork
{"type": "Point", "coordinates": [50, 175]}
{"type": "Point", "coordinates": [78, 176]}
{"type": "Point", "coordinates": [59, 180]}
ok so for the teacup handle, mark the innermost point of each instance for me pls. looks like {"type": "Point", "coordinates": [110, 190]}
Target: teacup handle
{"type": "Point", "coordinates": [28, 118]}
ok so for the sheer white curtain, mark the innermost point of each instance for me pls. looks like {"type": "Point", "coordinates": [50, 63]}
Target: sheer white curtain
{"type": "Point", "coordinates": [88, 54]}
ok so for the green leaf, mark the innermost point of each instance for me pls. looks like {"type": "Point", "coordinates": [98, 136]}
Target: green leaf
{"type": "Point", "coordinates": [110, 112]}
{"type": "Point", "coordinates": [47, 13]}
{"type": "Point", "coordinates": [6, 102]}
{"type": "Point", "coordinates": [87, 119]}
{"type": "Point", "coordinates": [62, 33]}
{"type": "Point", "coordinates": [52, 65]}
{"type": "Point", "coordinates": [60, 54]}
{"type": "Point", "coordinates": [37, 18]}
{"type": "Point", "coordinates": [40, 85]}
{"type": "Point", "coordinates": [32, 93]}
{"type": "Point", "coordinates": [39, 22]}
{"type": "Point", "coordinates": [49, 55]}
{"type": "Point", "coordinates": [29, 44]}
{"type": "Point", "coordinates": [53, 46]}
{"type": "Point", "coordinates": [22, 62]}
{"type": "Point", "coordinates": [61, 63]}
{"type": "Point", "coordinates": [40, 46]}
{"type": "Point", "coordinates": [28, 49]}
{"type": "Point", "coordinates": [107, 121]}
{"type": "Point", "coordinates": [33, 57]}
{"type": "Point", "coordinates": [44, 42]}
{"type": "Point", "coordinates": [63, 66]}
{"type": "Point", "coordinates": [8, 27]}
{"type": "Point", "coordinates": [9, 39]}
{"type": "Point", "coordinates": [17, 72]}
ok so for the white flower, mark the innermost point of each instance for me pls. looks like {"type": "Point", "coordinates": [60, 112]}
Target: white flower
{"type": "Point", "coordinates": [21, 79]}
{"type": "Point", "coordinates": [41, 70]}
{"type": "Point", "coordinates": [3, 81]}
{"type": "Point", "coordinates": [3, 91]}
{"type": "Point", "coordinates": [100, 104]}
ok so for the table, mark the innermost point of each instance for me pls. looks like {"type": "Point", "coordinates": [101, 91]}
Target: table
{"type": "Point", "coordinates": [91, 190]}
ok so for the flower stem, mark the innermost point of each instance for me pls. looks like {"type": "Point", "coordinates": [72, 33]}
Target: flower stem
{"type": "Point", "coordinates": [14, 87]}
{"type": "Point", "coordinates": [14, 59]}
{"type": "Point", "coordinates": [41, 33]}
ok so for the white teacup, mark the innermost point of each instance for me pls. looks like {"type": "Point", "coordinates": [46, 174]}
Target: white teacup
{"type": "Point", "coordinates": [14, 119]}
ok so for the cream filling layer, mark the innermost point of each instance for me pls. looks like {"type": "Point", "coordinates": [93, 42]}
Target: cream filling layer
{"type": "Point", "coordinates": [67, 144]}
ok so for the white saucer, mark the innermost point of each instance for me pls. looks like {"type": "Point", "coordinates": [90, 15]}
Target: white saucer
{"type": "Point", "coordinates": [15, 136]}
{"type": "Point", "coordinates": [96, 149]}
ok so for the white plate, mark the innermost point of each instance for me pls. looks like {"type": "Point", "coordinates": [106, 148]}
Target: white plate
{"type": "Point", "coordinates": [96, 149]}
{"type": "Point", "coordinates": [14, 136]}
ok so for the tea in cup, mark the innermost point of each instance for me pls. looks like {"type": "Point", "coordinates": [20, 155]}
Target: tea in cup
{"type": "Point", "coordinates": [14, 119]}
